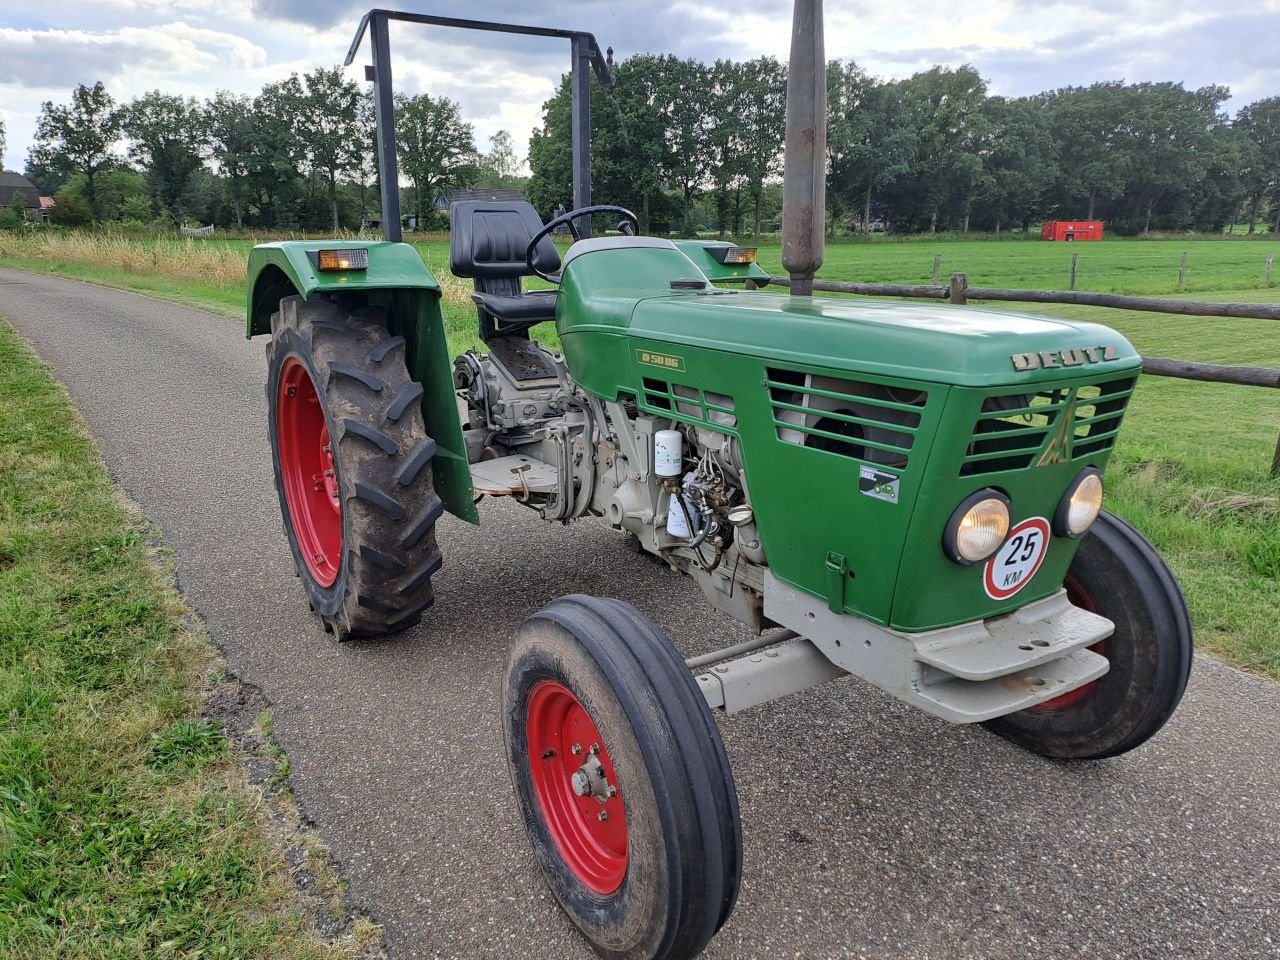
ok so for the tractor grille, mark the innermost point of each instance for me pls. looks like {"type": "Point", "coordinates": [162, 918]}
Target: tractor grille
{"type": "Point", "coordinates": [863, 421]}
{"type": "Point", "coordinates": [1016, 430]}
{"type": "Point", "coordinates": [690, 403]}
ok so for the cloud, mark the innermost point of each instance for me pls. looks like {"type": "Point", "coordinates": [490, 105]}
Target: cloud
{"type": "Point", "coordinates": [1230, 49]}
{"type": "Point", "coordinates": [45, 59]}
{"type": "Point", "coordinates": [311, 13]}
{"type": "Point", "coordinates": [195, 47]}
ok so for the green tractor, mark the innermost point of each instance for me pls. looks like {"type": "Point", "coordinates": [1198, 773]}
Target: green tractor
{"type": "Point", "coordinates": [912, 493]}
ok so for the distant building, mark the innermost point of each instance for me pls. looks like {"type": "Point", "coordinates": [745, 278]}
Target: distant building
{"type": "Point", "coordinates": [37, 207]}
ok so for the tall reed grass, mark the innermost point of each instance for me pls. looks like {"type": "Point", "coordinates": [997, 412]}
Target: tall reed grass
{"type": "Point", "coordinates": [217, 262]}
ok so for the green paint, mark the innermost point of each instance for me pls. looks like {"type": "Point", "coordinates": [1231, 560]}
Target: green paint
{"type": "Point", "coordinates": [699, 252]}
{"type": "Point", "coordinates": [749, 348]}
{"type": "Point", "coordinates": [816, 390]}
{"type": "Point", "coordinates": [278, 270]}
{"type": "Point", "coordinates": [399, 281]}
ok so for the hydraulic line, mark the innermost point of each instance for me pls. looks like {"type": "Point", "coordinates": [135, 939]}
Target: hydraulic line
{"type": "Point", "coordinates": [738, 649]}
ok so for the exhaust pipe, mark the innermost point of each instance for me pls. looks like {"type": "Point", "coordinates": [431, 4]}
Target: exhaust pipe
{"type": "Point", "coordinates": [804, 178]}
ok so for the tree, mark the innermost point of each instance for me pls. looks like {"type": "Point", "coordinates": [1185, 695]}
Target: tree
{"type": "Point", "coordinates": [1260, 123]}
{"type": "Point", "coordinates": [1087, 125]}
{"type": "Point", "coordinates": [168, 135]}
{"type": "Point", "coordinates": [868, 144]}
{"type": "Point", "coordinates": [366, 152]}
{"type": "Point", "coordinates": [18, 206]}
{"type": "Point", "coordinates": [630, 156]}
{"type": "Point", "coordinates": [725, 143]}
{"type": "Point", "coordinates": [679, 92]}
{"type": "Point", "coordinates": [498, 166]}
{"type": "Point", "coordinates": [278, 151]}
{"type": "Point", "coordinates": [2, 143]}
{"type": "Point", "coordinates": [229, 120]}
{"type": "Point", "coordinates": [1168, 139]}
{"type": "Point", "coordinates": [78, 138]}
{"type": "Point", "coordinates": [121, 190]}
{"type": "Point", "coordinates": [551, 151]}
{"type": "Point", "coordinates": [763, 102]}
{"type": "Point", "coordinates": [1218, 199]}
{"type": "Point", "coordinates": [945, 107]}
{"type": "Point", "coordinates": [331, 133]}
{"type": "Point", "coordinates": [70, 209]}
{"type": "Point", "coordinates": [437, 149]}
{"type": "Point", "coordinates": [1018, 162]}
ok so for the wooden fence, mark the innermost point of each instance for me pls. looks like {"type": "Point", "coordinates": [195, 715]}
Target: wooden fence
{"type": "Point", "coordinates": [959, 291]}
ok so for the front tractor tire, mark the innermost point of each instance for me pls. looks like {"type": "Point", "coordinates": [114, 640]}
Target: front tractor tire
{"type": "Point", "coordinates": [352, 466]}
{"type": "Point", "coordinates": [1118, 574]}
{"type": "Point", "coordinates": [622, 780]}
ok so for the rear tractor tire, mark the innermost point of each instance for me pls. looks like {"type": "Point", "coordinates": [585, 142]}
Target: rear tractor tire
{"type": "Point", "coordinates": [1118, 574]}
{"type": "Point", "coordinates": [622, 780]}
{"type": "Point", "coordinates": [352, 466]}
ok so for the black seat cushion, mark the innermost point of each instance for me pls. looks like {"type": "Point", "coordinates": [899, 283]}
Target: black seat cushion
{"type": "Point", "coordinates": [488, 239]}
{"type": "Point", "coordinates": [526, 309]}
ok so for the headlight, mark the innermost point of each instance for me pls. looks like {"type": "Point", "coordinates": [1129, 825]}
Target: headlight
{"type": "Point", "coordinates": [1080, 505]}
{"type": "Point", "coordinates": [977, 527]}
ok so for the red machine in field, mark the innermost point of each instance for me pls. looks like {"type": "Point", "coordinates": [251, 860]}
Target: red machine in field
{"type": "Point", "coordinates": [1072, 230]}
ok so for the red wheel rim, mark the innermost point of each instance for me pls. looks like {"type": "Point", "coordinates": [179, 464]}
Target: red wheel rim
{"type": "Point", "coordinates": [590, 832]}
{"type": "Point", "coordinates": [308, 474]}
{"type": "Point", "coordinates": [1083, 599]}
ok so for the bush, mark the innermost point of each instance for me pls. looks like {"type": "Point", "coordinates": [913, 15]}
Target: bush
{"type": "Point", "coordinates": [70, 209]}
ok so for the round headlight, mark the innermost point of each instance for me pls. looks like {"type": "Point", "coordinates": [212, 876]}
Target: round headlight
{"type": "Point", "coordinates": [1080, 505]}
{"type": "Point", "coordinates": [977, 528]}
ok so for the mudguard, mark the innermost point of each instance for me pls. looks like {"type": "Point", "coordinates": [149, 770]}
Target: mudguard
{"type": "Point", "coordinates": [399, 281]}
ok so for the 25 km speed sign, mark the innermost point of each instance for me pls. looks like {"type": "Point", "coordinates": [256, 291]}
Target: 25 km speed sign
{"type": "Point", "coordinates": [1017, 561]}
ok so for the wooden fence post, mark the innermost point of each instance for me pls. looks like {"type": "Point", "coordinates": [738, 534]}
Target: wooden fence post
{"type": "Point", "coordinates": [1075, 260]}
{"type": "Point", "coordinates": [937, 268]}
{"type": "Point", "coordinates": [1275, 461]}
{"type": "Point", "coordinates": [959, 284]}
{"type": "Point", "coordinates": [1266, 277]}
{"type": "Point", "coordinates": [1182, 270]}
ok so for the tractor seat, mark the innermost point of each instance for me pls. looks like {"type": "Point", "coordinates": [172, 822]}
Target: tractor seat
{"type": "Point", "coordinates": [487, 243]}
{"type": "Point", "coordinates": [529, 308]}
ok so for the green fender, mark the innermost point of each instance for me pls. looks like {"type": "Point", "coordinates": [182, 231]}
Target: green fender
{"type": "Point", "coordinates": [398, 281]}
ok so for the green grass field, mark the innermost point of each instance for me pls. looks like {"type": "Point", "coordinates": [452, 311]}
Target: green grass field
{"type": "Point", "coordinates": [126, 829]}
{"type": "Point", "coordinates": [1108, 266]}
{"type": "Point", "coordinates": [1191, 468]}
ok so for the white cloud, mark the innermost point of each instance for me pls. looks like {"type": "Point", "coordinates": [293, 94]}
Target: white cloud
{"type": "Point", "coordinates": [195, 47]}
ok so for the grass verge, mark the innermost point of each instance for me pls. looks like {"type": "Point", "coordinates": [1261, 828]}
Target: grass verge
{"type": "Point", "coordinates": [127, 829]}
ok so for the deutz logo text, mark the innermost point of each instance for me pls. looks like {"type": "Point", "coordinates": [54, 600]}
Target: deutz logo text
{"type": "Point", "coordinates": [1048, 359]}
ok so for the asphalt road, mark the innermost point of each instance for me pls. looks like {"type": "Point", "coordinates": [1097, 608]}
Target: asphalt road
{"type": "Point", "coordinates": [871, 829]}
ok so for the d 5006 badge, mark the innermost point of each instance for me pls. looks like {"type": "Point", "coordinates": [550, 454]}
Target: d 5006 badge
{"type": "Point", "coordinates": [1017, 561]}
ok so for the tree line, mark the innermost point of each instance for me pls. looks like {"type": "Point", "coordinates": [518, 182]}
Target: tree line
{"type": "Point", "coordinates": [689, 146]}
{"type": "Point", "coordinates": [297, 156]}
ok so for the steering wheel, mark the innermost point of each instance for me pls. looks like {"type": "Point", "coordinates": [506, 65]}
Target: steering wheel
{"type": "Point", "coordinates": [568, 218]}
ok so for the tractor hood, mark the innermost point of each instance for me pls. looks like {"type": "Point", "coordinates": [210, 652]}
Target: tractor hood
{"type": "Point", "coordinates": [965, 346]}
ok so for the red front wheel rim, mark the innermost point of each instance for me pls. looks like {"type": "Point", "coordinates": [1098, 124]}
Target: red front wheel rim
{"type": "Point", "coordinates": [1081, 597]}
{"type": "Point", "coordinates": [308, 473]}
{"type": "Point", "coordinates": [588, 828]}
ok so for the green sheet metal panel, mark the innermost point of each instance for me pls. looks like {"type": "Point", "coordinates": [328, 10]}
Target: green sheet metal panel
{"type": "Point", "coordinates": [822, 524]}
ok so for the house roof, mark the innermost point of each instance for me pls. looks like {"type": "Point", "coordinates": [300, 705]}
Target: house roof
{"type": "Point", "coordinates": [11, 183]}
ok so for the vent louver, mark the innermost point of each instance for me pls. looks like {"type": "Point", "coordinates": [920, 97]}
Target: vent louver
{"type": "Point", "coordinates": [870, 422]}
{"type": "Point", "coordinates": [1016, 430]}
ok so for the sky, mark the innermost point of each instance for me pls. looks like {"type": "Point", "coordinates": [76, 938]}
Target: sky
{"type": "Point", "coordinates": [197, 47]}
